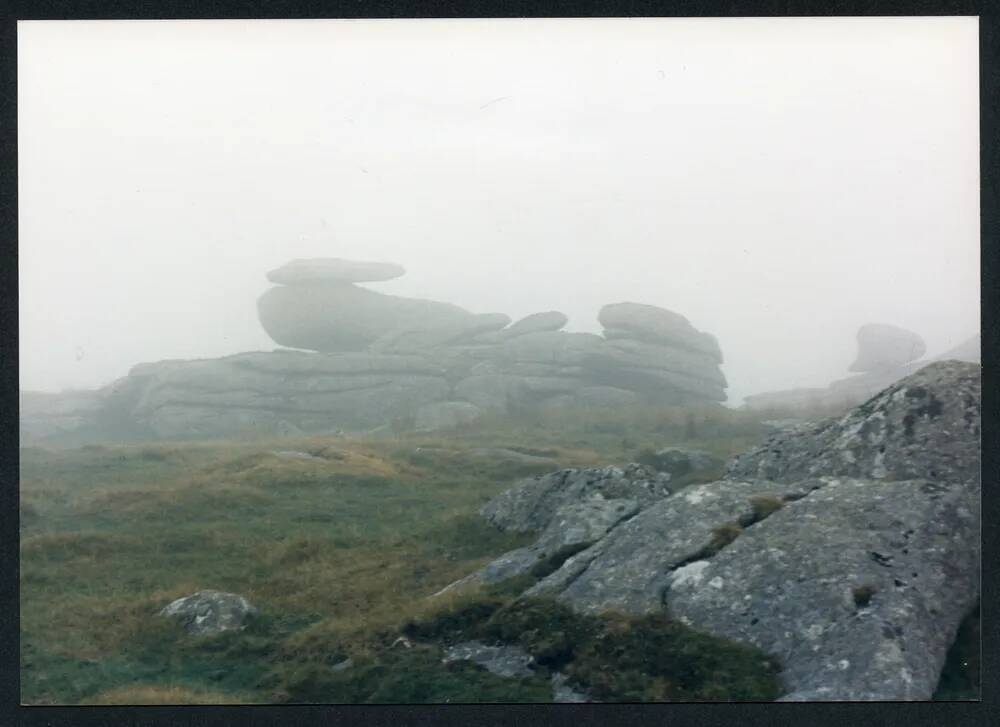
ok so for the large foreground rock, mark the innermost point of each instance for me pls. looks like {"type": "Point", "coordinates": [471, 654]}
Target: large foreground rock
{"type": "Point", "coordinates": [848, 549]}
{"type": "Point", "coordinates": [924, 426]}
{"type": "Point", "coordinates": [630, 569]}
{"type": "Point", "coordinates": [859, 588]}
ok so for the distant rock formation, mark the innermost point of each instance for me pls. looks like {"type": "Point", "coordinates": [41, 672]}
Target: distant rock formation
{"type": "Point", "coordinates": [886, 354]}
{"type": "Point", "coordinates": [371, 359]}
{"type": "Point", "coordinates": [849, 549]}
{"type": "Point", "coordinates": [882, 347]}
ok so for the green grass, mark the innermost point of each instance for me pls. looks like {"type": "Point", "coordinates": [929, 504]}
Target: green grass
{"type": "Point", "coordinates": [342, 556]}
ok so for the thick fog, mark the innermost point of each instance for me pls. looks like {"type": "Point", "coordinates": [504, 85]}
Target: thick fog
{"type": "Point", "coordinates": [777, 182]}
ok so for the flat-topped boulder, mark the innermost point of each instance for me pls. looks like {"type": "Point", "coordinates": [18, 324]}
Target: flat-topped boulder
{"type": "Point", "coordinates": [333, 270]}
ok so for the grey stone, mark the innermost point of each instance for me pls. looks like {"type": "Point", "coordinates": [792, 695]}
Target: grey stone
{"type": "Point", "coordinates": [210, 612]}
{"type": "Point", "coordinates": [224, 397]}
{"type": "Point", "coordinates": [333, 270]}
{"type": "Point", "coordinates": [599, 397]}
{"type": "Point", "coordinates": [563, 693]}
{"type": "Point", "coordinates": [629, 569]}
{"type": "Point", "coordinates": [551, 320]}
{"type": "Point", "coordinates": [925, 426]}
{"type": "Point", "coordinates": [446, 415]}
{"type": "Point", "coordinates": [881, 347]}
{"type": "Point", "coordinates": [656, 325]}
{"type": "Point", "coordinates": [45, 415]}
{"type": "Point", "coordinates": [532, 503]}
{"type": "Point", "coordinates": [624, 352]}
{"type": "Point", "coordinates": [858, 588]}
{"type": "Point", "coordinates": [299, 363]}
{"type": "Point", "coordinates": [574, 525]}
{"type": "Point", "coordinates": [504, 661]}
{"type": "Point", "coordinates": [494, 392]}
{"type": "Point", "coordinates": [678, 461]}
{"type": "Point", "coordinates": [344, 317]}
{"type": "Point", "coordinates": [659, 385]}
{"type": "Point", "coordinates": [552, 347]}
{"type": "Point", "coordinates": [423, 335]}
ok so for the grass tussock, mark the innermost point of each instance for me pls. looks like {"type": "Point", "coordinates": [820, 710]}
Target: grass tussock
{"type": "Point", "coordinates": [150, 694]}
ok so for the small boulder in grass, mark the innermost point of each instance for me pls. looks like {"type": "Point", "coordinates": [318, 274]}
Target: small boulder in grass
{"type": "Point", "coordinates": [211, 612]}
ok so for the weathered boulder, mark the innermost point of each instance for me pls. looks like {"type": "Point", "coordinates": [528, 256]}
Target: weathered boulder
{"type": "Point", "coordinates": [859, 588]}
{"type": "Point", "coordinates": [925, 426]}
{"type": "Point", "coordinates": [882, 347]}
{"type": "Point", "coordinates": [532, 504]}
{"type": "Point", "coordinates": [344, 317]}
{"type": "Point", "coordinates": [655, 325]}
{"type": "Point", "coordinates": [446, 415]}
{"type": "Point", "coordinates": [659, 386]}
{"type": "Point", "coordinates": [210, 612]}
{"type": "Point", "coordinates": [333, 270]}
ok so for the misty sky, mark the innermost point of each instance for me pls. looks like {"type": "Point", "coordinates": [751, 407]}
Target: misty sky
{"type": "Point", "coordinates": [778, 181]}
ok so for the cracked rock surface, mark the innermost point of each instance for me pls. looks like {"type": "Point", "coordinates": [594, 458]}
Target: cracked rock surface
{"type": "Point", "coordinates": [858, 588]}
{"type": "Point", "coordinates": [630, 568]}
{"type": "Point", "coordinates": [533, 502]}
{"type": "Point", "coordinates": [925, 426]}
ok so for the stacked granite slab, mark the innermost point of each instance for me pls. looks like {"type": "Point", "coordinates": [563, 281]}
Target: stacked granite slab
{"type": "Point", "coordinates": [366, 359]}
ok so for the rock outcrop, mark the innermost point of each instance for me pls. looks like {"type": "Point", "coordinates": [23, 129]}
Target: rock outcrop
{"type": "Point", "coordinates": [373, 359]}
{"type": "Point", "coordinates": [925, 426]}
{"type": "Point", "coordinates": [847, 549]}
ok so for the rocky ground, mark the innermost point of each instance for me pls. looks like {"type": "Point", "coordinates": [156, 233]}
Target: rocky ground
{"type": "Point", "coordinates": [849, 549]}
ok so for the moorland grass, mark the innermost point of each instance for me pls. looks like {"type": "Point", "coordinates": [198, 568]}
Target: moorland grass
{"type": "Point", "coordinates": [342, 555]}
